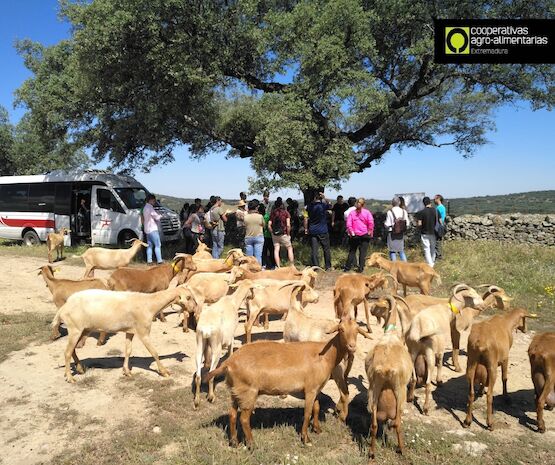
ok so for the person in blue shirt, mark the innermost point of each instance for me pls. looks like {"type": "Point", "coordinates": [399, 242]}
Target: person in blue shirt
{"type": "Point", "coordinates": [438, 200]}
{"type": "Point", "coordinates": [316, 226]}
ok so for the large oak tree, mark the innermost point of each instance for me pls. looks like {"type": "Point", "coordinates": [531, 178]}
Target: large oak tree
{"type": "Point", "coordinates": [310, 91]}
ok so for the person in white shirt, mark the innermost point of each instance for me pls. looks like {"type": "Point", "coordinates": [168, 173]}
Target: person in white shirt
{"type": "Point", "coordinates": [396, 233]}
{"type": "Point", "coordinates": [150, 224]}
{"type": "Point", "coordinates": [352, 201]}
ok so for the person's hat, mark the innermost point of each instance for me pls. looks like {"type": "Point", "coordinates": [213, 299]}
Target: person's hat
{"type": "Point", "coordinates": [241, 203]}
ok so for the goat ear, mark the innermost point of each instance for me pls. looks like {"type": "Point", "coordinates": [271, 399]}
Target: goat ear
{"type": "Point", "coordinates": [463, 319]}
{"type": "Point", "coordinates": [364, 333]}
{"type": "Point", "coordinates": [333, 329]}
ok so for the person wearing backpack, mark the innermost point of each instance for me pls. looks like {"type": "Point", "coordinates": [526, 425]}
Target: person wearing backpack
{"type": "Point", "coordinates": [396, 222]}
{"type": "Point", "coordinates": [280, 228]}
{"type": "Point", "coordinates": [316, 226]}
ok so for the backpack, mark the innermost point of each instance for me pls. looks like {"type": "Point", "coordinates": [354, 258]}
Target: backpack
{"type": "Point", "coordinates": [277, 227]}
{"type": "Point", "coordinates": [399, 225]}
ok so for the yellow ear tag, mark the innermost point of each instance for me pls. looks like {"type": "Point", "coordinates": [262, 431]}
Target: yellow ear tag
{"type": "Point", "coordinates": [229, 260]}
{"type": "Point", "coordinates": [453, 308]}
{"type": "Point", "coordinates": [534, 315]}
{"type": "Point", "coordinates": [57, 269]}
{"type": "Point", "coordinates": [175, 268]}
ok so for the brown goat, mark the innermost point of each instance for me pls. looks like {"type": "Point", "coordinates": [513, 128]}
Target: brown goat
{"type": "Point", "coordinates": [274, 368]}
{"type": "Point", "coordinates": [389, 368]}
{"type": "Point", "coordinates": [489, 344]}
{"type": "Point", "coordinates": [542, 365]}
{"type": "Point", "coordinates": [152, 279]}
{"type": "Point", "coordinates": [418, 275]}
{"type": "Point", "coordinates": [353, 289]}
{"type": "Point", "coordinates": [55, 241]}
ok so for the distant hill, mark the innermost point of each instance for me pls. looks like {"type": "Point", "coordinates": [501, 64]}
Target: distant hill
{"type": "Point", "coordinates": [524, 202]}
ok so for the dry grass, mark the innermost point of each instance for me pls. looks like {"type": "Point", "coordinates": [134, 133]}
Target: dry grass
{"type": "Point", "coordinates": [19, 330]}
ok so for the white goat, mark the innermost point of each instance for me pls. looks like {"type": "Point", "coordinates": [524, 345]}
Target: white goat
{"type": "Point", "coordinates": [109, 259]}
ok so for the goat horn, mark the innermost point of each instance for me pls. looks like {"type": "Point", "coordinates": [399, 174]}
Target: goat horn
{"type": "Point", "coordinates": [392, 278]}
{"type": "Point", "coordinates": [459, 287]}
{"type": "Point", "coordinates": [481, 286]}
{"type": "Point", "coordinates": [333, 329]}
{"type": "Point", "coordinates": [402, 299]}
{"type": "Point", "coordinates": [364, 333]}
{"type": "Point", "coordinates": [316, 268]}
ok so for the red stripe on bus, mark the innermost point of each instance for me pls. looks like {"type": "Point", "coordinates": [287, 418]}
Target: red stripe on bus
{"type": "Point", "coordinates": [27, 223]}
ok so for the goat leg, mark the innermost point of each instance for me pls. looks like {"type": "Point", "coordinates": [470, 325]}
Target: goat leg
{"type": "Point", "coordinates": [492, 373]}
{"type": "Point", "coordinates": [143, 336]}
{"type": "Point", "coordinates": [246, 425]}
{"type": "Point", "coordinates": [373, 430]}
{"type": "Point", "coordinates": [308, 407]}
{"type": "Point", "coordinates": [233, 442]}
{"type": "Point", "coordinates": [470, 373]}
{"type": "Point", "coordinates": [128, 345]}
{"type": "Point", "coordinates": [541, 400]}
{"type": "Point", "coordinates": [455, 339]}
{"type": "Point", "coordinates": [315, 420]}
{"type": "Point", "coordinates": [504, 374]}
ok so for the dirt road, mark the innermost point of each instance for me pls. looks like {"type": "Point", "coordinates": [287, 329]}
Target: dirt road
{"type": "Point", "coordinates": [39, 411]}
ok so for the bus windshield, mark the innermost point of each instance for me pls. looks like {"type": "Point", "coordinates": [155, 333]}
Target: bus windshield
{"type": "Point", "coordinates": [133, 197]}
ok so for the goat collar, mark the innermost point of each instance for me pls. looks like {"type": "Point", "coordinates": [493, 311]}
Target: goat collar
{"type": "Point", "coordinates": [453, 308]}
{"type": "Point", "coordinates": [389, 327]}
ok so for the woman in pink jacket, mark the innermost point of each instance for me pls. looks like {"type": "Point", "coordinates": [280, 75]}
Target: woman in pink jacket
{"type": "Point", "coordinates": [360, 228]}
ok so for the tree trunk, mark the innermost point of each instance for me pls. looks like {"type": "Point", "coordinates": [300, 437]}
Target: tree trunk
{"type": "Point", "coordinates": [310, 192]}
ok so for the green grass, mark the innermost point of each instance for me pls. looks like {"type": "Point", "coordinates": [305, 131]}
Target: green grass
{"type": "Point", "coordinates": [19, 330]}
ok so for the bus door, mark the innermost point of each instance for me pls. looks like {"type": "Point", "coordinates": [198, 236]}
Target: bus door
{"type": "Point", "coordinates": [106, 216]}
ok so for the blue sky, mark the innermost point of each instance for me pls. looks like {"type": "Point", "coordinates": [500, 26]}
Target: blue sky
{"type": "Point", "coordinates": [520, 156]}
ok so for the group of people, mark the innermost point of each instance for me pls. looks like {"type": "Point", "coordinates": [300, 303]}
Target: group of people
{"type": "Point", "coordinates": [265, 228]}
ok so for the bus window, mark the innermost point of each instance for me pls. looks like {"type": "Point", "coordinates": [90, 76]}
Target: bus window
{"type": "Point", "coordinates": [105, 199]}
{"type": "Point", "coordinates": [14, 198]}
{"type": "Point", "coordinates": [62, 206]}
{"type": "Point", "coordinates": [132, 197]}
{"type": "Point", "coordinates": [41, 197]}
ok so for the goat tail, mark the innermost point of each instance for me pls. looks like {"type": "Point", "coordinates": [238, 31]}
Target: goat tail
{"type": "Point", "coordinates": [55, 325]}
{"type": "Point", "coordinates": [217, 372]}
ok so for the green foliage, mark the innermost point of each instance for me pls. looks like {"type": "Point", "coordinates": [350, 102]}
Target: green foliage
{"type": "Point", "coordinates": [26, 149]}
{"type": "Point", "coordinates": [311, 91]}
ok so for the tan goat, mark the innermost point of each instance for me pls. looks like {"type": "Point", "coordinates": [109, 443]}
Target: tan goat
{"type": "Point", "coordinates": [202, 252]}
{"type": "Point", "coordinates": [299, 327]}
{"type": "Point", "coordinates": [212, 265]}
{"type": "Point", "coordinates": [111, 312]}
{"type": "Point", "coordinates": [418, 275]}
{"type": "Point", "coordinates": [542, 364]}
{"type": "Point", "coordinates": [55, 241]}
{"type": "Point", "coordinates": [274, 368]}
{"type": "Point", "coordinates": [216, 330]}
{"type": "Point", "coordinates": [151, 279]}
{"type": "Point", "coordinates": [275, 299]}
{"type": "Point", "coordinates": [353, 289]}
{"type": "Point", "coordinates": [389, 368]}
{"type": "Point", "coordinates": [61, 289]}
{"type": "Point", "coordinates": [430, 329]}
{"type": "Point", "coordinates": [489, 344]}
{"type": "Point", "coordinates": [109, 259]}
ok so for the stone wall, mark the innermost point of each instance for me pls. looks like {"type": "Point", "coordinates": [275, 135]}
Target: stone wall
{"type": "Point", "coordinates": [516, 227]}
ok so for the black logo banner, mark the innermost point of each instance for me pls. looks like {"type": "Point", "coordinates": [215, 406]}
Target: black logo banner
{"type": "Point", "coordinates": [494, 40]}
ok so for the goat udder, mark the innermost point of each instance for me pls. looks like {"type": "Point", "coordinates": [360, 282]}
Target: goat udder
{"type": "Point", "coordinates": [387, 406]}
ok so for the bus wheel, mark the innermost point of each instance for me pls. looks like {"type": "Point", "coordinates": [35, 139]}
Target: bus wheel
{"type": "Point", "coordinates": [125, 237]}
{"type": "Point", "coordinates": [31, 238]}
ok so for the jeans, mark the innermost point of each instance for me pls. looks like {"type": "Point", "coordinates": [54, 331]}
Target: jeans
{"type": "Point", "coordinates": [253, 247]}
{"type": "Point", "coordinates": [393, 256]}
{"type": "Point", "coordinates": [217, 242]}
{"type": "Point", "coordinates": [429, 248]}
{"type": "Point", "coordinates": [315, 241]}
{"type": "Point", "coordinates": [361, 243]}
{"type": "Point", "coordinates": [153, 239]}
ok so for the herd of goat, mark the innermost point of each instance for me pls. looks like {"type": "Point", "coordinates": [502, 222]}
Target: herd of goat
{"type": "Point", "coordinates": [211, 293]}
